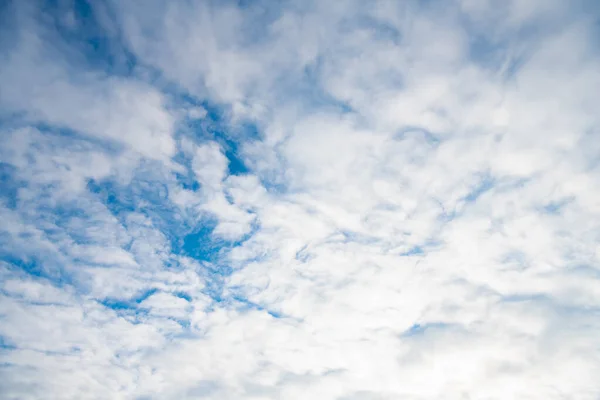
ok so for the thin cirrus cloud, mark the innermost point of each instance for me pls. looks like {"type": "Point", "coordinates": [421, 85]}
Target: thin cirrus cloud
{"type": "Point", "coordinates": [292, 200]}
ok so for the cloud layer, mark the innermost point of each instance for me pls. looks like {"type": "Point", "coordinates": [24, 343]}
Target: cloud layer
{"type": "Point", "coordinates": [295, 200]}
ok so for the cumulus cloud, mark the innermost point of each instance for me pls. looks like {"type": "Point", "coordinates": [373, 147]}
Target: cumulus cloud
{"type": "Point", "coordinates": [291, 200]}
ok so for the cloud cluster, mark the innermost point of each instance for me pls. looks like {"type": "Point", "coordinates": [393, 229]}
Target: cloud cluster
{"type": "Point", "coordinates": [299, 199]}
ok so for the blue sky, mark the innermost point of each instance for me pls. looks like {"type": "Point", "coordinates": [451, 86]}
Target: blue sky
{"type": "Point", "coordinates": [299, 199]}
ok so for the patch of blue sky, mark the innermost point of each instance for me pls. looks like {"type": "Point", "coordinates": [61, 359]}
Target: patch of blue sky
{"type": "Point", "coordinates": [356, 237]}
{"type": "Point", "coordinates": [217, 130]}
{"type": "Point", "coordinates": [5, 344]}
{"type": "Point", "coordinates": [9, 185]}
{"type": "Point", "coordinates": [22, 262]}
{"type": "Point", "coordinates": [134, 316]}
{"type": "Point", "coordinates": [241, 303]}
{"type": "Point", "coordinates": [421, 329]}
{"type": "Point", "coordinates": [187, 181]}
{"type": "Point", "coordinates": [447, 215]}
{"type": "Point", "coordinates": [117, 304]}
{"type": "Point", "coordinates": [215, 273]}
{"type": "Point", "coordinates": [128, 304]}
{"type": "Point", "coordinates": [507, 183]}
{"type": "Point", "coordinates": [183, 295]}
{"type": "Point", "coordinates": [303, 255]}
{"type": "Point", "coordinates": [485, 184]}
{"type": "Point", "coordinates": [36, 265]}
{"type": "Point", "coordinates": [214, 290]}
{"type": "Point", "coordinates": [413, 251]}
{"type": "Point", "coordinates": [143, 295]}
{"type": "Point", "coordinates": [145, 194]}
{"type": "Point", "coordinates": [215, 126]}
{"type": "Point", "coordinates": [91, 29]}
{"type": "Point", "coordinates": [274, 183]}
{"type": "Point", "coordinates": [201, 244]}
{"type": "Point", "coordinates": [557, 207]}
{"type": "Point", "coordinates": [57, 217]}
{"type": "Point", "coordinates": [32, 253]}
{"type": "Point", "coordinates": [196, 242]}
{"type": "Point", "coordinates": [236, 165]}
{"type": "Point", "coordinates": [184, 323]}
{"type": "Point", "coordinates": [118, 201]}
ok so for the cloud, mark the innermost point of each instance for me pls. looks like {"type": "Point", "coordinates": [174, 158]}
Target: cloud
{"type": "Point", "coordinates": [248, 200]}
{"type": "Point", "coordinates": [121, 111]}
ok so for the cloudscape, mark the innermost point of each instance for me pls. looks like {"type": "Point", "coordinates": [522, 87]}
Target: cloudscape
{"type": "Point", "coordinates": [300, 199]}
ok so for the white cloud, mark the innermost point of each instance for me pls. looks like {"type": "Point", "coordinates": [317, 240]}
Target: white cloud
{"type": "Point", "coordinates": [416, 217]}
{"type": "Point", "coordinates": [56, 92]}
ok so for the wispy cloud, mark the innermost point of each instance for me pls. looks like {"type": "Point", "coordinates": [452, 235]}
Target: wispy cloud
{"type": "Point", "coordinates": [291, 200]}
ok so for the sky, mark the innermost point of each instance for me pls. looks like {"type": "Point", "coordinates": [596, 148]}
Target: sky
{"type": "Point", "coordinates": [300, 199]}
